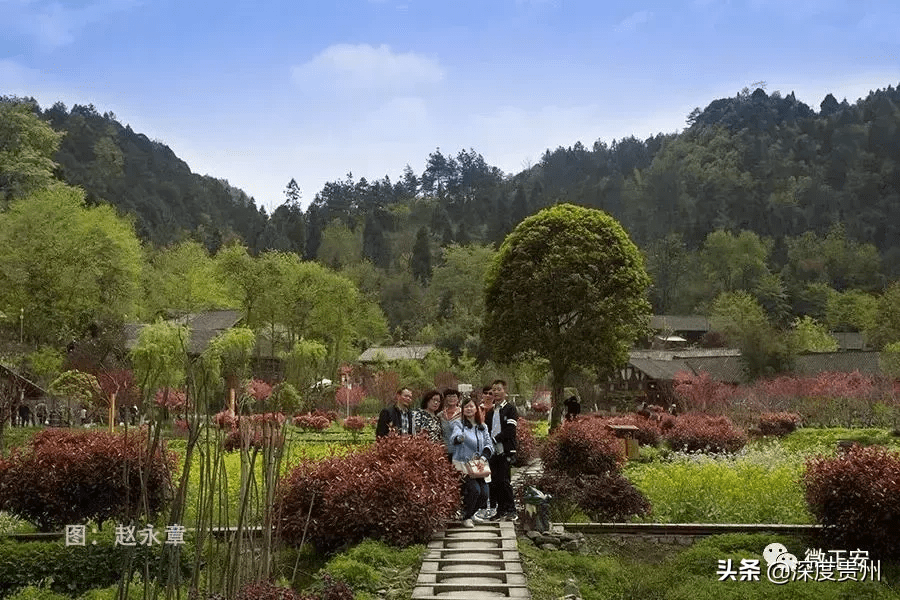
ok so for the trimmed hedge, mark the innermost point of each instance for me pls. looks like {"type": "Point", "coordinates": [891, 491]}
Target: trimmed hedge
{"type": "Point", "coordinates": [856, 497]}
{"type": "Point", "coordinates": [582, 464]}
{"type": "Point", "coordinates": [778, 424]}
{"type": "Point", "coordinates": [63, 477]}
{"type": "Point", "coordinates": [71, 569]}
{"type": "Point", "coordinates": [400, 490]}
{"type": "Point", "coordinates": [609, 497]}
{"type": "Point", "coordinates": [526, 444]}
{"type": "Point", "coordinates": [583, 447]}
{"type": "Point", "coordinates": [695, 432]}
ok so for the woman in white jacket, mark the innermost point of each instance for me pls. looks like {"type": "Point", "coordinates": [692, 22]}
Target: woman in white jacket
{"type": "Point", "coordinates": [470, 438]}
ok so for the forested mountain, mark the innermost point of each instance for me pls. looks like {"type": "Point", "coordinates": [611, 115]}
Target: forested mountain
{"type": "Point", "coordinates": [143, 177]}
{"type": "Point", "coordinates": [760, 193]}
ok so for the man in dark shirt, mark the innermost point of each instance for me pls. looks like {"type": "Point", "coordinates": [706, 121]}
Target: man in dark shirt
{"type": "Point", "coordinates": [397, 418]}
{"type": "Point", "coordinates": [504, 415]}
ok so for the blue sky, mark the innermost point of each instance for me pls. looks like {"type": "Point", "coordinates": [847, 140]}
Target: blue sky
{"type": "Point", "coordinates": [260, 92]}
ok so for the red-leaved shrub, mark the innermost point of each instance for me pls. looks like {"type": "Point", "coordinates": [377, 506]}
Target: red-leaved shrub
{"type": "Point", "coordinates": [256, 431]}
{"type": "Point", "coordinates": [258, 389]}
{"type": "Point", "coordinates": [703, 394]}
{"type": "Point", "coordinates": [856, 498]}
{"type": "Point", "coordinates": [63, 477]}
{"type": "Point", "coordinates": [526, 444]}
{"type": "Point", "coordinates": [694, 432]}
{"type": "Point", "coordinates": [541, 407]}
{"type": "Point", "coordinates": [225, 419]}
{"type": "Point", "coordinates": [648, 429]}
{"type": "Point", "coordinates": [312, 422]}
{"type": "Point", "coordinates": [170, 399]}
{"type": "Point", "coordinates": [355, 424]}
{"type": "Point", "coordinates": [609, 497]}
{"type": "Point", "coordinates": [583, 447]}
{"type": "Point", "coordinates": [400, 490]}
{"type": "Point", "coordinates": [778, 424]}
{"type": "Point", "coordinates": [266, 590]}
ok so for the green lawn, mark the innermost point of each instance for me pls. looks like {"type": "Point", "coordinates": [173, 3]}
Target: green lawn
{"type": "Point", "coordinates": [642, 570]}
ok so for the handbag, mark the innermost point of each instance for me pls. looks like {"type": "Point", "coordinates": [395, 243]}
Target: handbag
{"type": "Point", "coordinates": [476, 468]}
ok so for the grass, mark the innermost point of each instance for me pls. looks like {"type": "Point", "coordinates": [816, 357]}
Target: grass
{"type": "Point", "coordinates": [759, 484]}
{"type": "Point", "coordinates": [647, 571]}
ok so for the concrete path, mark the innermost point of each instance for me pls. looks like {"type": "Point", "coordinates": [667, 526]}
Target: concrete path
{"type": "Point", "coordinates": [483, 562]}
{"type": "Point", "coordinates": [472, 563]}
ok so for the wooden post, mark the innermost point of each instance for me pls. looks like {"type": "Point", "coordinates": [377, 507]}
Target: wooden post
{"type": "Point", "coordinates": [629, 443]}
{"type": "Point", "coordinates": [112, 411]}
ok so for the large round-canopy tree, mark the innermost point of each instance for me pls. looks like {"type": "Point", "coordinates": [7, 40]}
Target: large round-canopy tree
{"type": "Point", "coordinates": [568, 285]}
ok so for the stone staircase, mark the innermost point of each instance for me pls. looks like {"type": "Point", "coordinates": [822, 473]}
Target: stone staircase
{"type": "Point", "coordinates": [472, 563]}
{"type": "Point", "coordinates": [475, 563]}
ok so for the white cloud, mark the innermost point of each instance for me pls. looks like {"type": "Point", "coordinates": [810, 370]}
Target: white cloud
{"type": "Point", "coordinates": [365, 67]}
{"type": "Point", "coordinates": [634, 20]}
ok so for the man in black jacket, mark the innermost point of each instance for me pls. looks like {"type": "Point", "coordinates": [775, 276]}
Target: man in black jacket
{"type": "Point", "coordinates": [398, 417]}
{"type": "Point", "coordinates": [505, 416]}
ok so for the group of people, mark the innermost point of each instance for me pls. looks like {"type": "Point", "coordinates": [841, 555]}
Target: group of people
{"type": "Point", "coordinates": [469, 427]}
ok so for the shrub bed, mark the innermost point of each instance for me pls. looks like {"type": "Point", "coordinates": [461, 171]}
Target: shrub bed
{"type": "Point", "coordinates": [526, 444]}
{"type": "Point", "coordinates": [778, 424]}
{"type": "Point", "coordinates": [648, 429]}
{"type": "Point", "coordinates": [400, 490]}
{"type": "Point", "coordinates": [583, 447]}
{"type": "Point", "coordinates": [696, 432]}
{"type": "Point", "coordinates": [63, 477]}
{"type": "Point", "coordinates": [71, 569]}
{"type": "Point", "coordinates": [582, 460]}
{"type": "Point", "coordinates": [609, 497]}
{"type": "Point", "coordinates": [856, 497]}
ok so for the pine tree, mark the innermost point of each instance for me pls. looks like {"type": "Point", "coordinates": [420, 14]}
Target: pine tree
{"type": "Point", "coordinates": [420, 261]}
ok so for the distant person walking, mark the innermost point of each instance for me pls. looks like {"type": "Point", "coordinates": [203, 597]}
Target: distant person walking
{"type": "Point", "coordinates": [40, 413]}
{"type": "Point", "coordinates": [573, 408]}
{"type": "Point", "coordinates": [24, 415]}
{"type": "Point", "coordinates": [397, 418]}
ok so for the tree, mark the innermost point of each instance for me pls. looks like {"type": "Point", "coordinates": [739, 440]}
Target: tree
{"type": "Point", "coordinates": [374, 244]}
{"type": "Point", "coordinates": [734, 262]}
{"type": "Point", "coordinates": [303, 365]}
{"type": "Point", "coordinates": [83, 388]}
{"type": "Point", "coordinates": [567, 285]}
{"type": "Point", "coordinates": [765, 351]}
{"type": "Point", "coordinates": [453, 294]}
{"type": "Point", "coordinates": [885, 328]}
{"type": "Point", "coordinates": [67, 265]}
{"type": "Point", "coordinates": [420, 261]}
{"type": "Point", "coordinates": [811, 336]}
{"type": "Point", "coordinates": [233, 348]}
{"type": "Point", "coordinates": [668, 262]}
{"type": "Point", "coordinates": [27, 145]}
{"type": "Point", "coordinates": [160, 357]}
{"type": "Point", "coordinates": [183, 278]}
{"type": "Point", "coordinates": [340, 246]}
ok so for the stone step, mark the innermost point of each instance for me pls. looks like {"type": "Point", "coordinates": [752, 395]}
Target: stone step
{"type": "Point", "coordinates": [463, 564]}
{"type": "Point", "coordinates": [494, 544]}
{"type": "Point", "coordinates": [467, 591]}
{"type": "Point", "coordinates": [471, 578]}
{"type": "Point", "coordinates": [487, 554]}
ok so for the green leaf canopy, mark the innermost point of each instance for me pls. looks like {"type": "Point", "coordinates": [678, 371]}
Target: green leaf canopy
{"type": "Point", "coordinates": [568, 285]}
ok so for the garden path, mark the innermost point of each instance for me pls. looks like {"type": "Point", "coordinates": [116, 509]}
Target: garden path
{"type": "Point", "coordinates": [479, 563]}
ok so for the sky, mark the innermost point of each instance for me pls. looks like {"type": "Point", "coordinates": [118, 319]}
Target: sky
{"type": "Point", "coordinates": [262, 92]}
